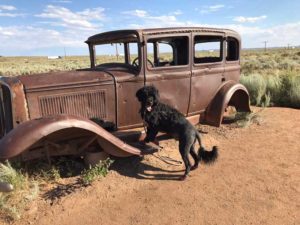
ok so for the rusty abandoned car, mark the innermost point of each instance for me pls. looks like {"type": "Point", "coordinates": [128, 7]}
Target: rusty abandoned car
{"type": "Point", "coordinates": [196, 70]}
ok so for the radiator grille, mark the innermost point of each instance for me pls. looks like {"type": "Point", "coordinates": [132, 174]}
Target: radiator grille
{"type": "Point", "coordinates": [5, 110]}
{"type": "Point", "coordinates": [86, 104]}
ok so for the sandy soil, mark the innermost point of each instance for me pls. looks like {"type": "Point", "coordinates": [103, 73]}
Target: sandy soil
{"type": "Point", "coordinates": [256, 180]}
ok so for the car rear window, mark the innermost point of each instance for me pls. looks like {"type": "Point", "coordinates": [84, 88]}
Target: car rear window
{"type": "Point", "coordinates": [232, 49]}
{"type": "Point", "coordinates": [207, 49]}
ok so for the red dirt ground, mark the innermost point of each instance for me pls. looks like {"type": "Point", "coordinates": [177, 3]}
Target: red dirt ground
{"type": "Point", "coordinates": [255, 181]}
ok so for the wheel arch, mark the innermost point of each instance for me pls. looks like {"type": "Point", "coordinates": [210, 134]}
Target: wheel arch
{"type": "Point", "coordinates": [230, 94]}
{"type": "Point", "coordinates": [25, 135]}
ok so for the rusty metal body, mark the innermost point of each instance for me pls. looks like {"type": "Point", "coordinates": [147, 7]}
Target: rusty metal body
{"type": "Point", "coordinates": [51, 111]}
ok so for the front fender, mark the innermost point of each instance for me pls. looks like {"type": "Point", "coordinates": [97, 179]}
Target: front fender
{"type": "Point", "coordinates": [231, 93]}
{"type": "Point", "coordinates": [28, 133]}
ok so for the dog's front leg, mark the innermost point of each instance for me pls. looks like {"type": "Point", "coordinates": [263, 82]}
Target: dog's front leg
{"type": "Point", "coordinates": [151, 134]}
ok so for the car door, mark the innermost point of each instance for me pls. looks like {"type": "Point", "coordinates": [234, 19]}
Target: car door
{"type": "Point", "coordinates": [168, 68]}
{"type": "Point", "coordinates": [207, 69]}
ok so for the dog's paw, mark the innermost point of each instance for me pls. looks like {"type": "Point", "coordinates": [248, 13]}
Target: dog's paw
{"type": "Point", "coordinates": [182, 178]}
{"type": "Point", "coordinates": [194, 167]}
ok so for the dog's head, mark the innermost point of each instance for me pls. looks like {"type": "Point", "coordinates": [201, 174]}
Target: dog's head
{"type": "Point", "coordinates": [148, 96]}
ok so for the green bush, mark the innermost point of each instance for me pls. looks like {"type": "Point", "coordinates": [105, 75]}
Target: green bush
{"type": "Point", "coordinates": [256, 85]}
{"type": "Point", "coordinates": [12, 204]}
{"type": "Point", "coordinates": [276, 90]}
{"type": "Point", "coordinates": [287, 64]}
{"type": "Point", "coordinates": [95, 172]}
{"type": "Point", "coordinates": [294, 92]}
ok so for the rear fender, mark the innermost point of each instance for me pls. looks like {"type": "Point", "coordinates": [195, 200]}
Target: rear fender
{"type": "Point", "coordinates": [29, 133]}
{"type": "Point", "coordinates": [231, 93]}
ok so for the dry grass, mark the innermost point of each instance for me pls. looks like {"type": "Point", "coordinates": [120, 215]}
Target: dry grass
{"type": "Point", "coordinates": [93, 173]}
{"type": "Point", "coordinates": [272, 62]}
{"type": "Point", "coordinates": [38, 173]}
{"type": "Point", "coordinates": [271, 77]}
{"type": "Point", "coordinates": [12, 204]}
{"type": "Point", "coordinates": [13, 66]}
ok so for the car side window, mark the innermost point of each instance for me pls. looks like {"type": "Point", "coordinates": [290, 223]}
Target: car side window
{"type": "Point", "coordinates": [232, 49]}
{"type": "Point", "coordinates": [207, 49]}
{"type": "Point", "coordinates": [167, 51]}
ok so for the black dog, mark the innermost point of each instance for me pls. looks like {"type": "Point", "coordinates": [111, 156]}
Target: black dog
{"type": "Point", "coordinates": [161, 117]}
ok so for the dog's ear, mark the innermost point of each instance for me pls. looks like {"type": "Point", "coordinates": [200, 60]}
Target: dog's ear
{"type": "Point", "coordinates": [139, 94]}
{"type": "Point", "coordinates": [154, 92]}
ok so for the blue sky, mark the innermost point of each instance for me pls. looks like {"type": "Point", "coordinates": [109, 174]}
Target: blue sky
{"type": "Point", "coordinates": [36, 27]}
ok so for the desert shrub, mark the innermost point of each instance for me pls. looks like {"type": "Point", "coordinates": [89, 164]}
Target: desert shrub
{"type": "Point", "coordinates": [290, 91]}
{"type": "Point", "coordinates": [266, 100]}
{"type": "Point", "coordinates": [295, 92]}
{"type": "Point", "coordinates": [274, 88]}
{"type": "Point", "coordinates": [250, 66]}
{"type": "Point", "coordinates": [60, 167]}
{"type": "Point", "coordinates": [13, 203]}
{"type": "Point", "coordinates": [277, 90]}
{"type": "Point", "coordinates": [295, 57]}
{"type": "Point", "coordinates": [268, 64]}
{"type": "Point", "coordinates": [95, 172]}
{"type": "Point", "coordinates": [284, 54]}
{"type": "Point", "coordinates": [287, 64]}
{"type": "Point", "coordinates": [256, 86]}
{"type": "Point", "coordinates": [244, 119]}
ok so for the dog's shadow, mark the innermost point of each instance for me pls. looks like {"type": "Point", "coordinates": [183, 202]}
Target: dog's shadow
{"type": "Point", "coordinates": [135, 167]}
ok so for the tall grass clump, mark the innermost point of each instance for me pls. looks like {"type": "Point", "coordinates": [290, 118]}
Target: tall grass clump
{"type": "Point", "coordinates": [295, 92]}
{"type": "Point", "coordinates": [13, 203]}
{"type": "Point", "coordinates": [274, 84]}
{"type": "Point", "coordinates": [291, 91]}
{"type": "Point", "coordinates": [257, 86]}
{"type": "Point", "coordinates": [274, 90]}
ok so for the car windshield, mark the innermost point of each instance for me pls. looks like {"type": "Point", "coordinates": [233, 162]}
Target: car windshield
{"type": "Point", "coordinates": [117, 53]}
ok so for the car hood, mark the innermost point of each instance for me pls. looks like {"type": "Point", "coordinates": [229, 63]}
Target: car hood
{"type": "Point", "coordinates": [56, 79]}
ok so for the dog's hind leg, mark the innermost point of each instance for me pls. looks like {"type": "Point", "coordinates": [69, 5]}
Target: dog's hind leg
{"type": "Point", "coordinates": [184, 148]}
{"type": "Point", "coordinates": [195, 157]}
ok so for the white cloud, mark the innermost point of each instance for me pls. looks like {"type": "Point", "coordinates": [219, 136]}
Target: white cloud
{"type": "Point", "coordinates": [216, 7]}
{"type": "Point", "coordinates": [147, 20]}
{"type": "Point", "coordinates": [252, 36]}
{"type": "Point", "coordinates": [62, 1]}
{"type": "Point", "coordinates": [6, 11]}
{"type": "Point", "coordinates": [6, 32]}
{"type": "Point", "coordinates": [146, 16]}
{"type": "Point", "coordinates": [93, 14]}
{"type": "Point", "coordinates": [242, 19]}
{"type": "Point", "coordinates": [76, 20]}
{"type": "Point", "coordinates": [11, 14]}
{"type": "Point", "coordinates": [136, 12]}
{"type": "Point", "coordinates": [7, 7]}
{"type": "Point", "coordinates": [210, 9]}
{"type": "Point", "coordinates": [80, 25]}
{"type": "Point", "coordinates": [46, 33]}
{"type": "Point", "coordinates": [28, 38]}
{"type": "Point", "coordinates": [177, 12]}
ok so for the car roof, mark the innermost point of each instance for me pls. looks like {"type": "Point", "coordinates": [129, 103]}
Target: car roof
{"type": "Point", "coordinates": [135, 34]}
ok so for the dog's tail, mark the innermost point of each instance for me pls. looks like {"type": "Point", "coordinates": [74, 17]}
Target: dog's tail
{"type": "Point", "coordinates": [206, 156]}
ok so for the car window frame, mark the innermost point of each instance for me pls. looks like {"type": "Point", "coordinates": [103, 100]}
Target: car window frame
{"type": "Point", "coordinates": [222, 45]}
{"type": "Point", "coordinates": [169, 35]}
{"type": "Point", "coordinates": [239, 50]}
